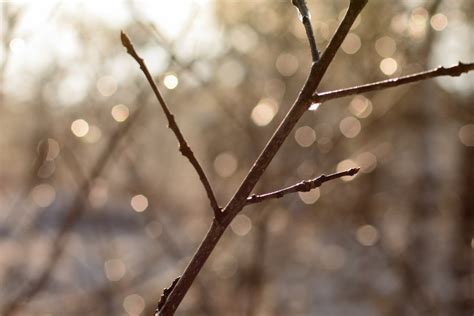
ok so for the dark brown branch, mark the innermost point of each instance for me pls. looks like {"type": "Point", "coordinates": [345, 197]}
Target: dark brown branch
{"type": "Point", "coordinates": [297, 110]}
{"type": "Point", "coordinates": [183, 145]}
{"type": "Point", "coordinates": [239, 200]}
{"type": "Point", "coordinates": [306, 20]}
{"type": "Point", "coordinates": [166, 292]}
{"type": "Point", "coordinates": [303, 186]}
{"type": "Point", "coordinates": [453, 71]}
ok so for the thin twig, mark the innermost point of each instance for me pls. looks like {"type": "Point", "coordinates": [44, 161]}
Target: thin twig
{"type": "Point", "coordinates": [306, 20]}
{"type": "Point", "coordinates": [297, 110]}
{"type": "Point", "coordinates": [183, 145]}
{"type": "Point", "coordinates": [303, 186]}
{"type": "Point", "coordinates": [168, 242]}
{"type": "Point", "coordinates": [223, 101]}
{"type": "Point", "coordinates": [453, 71]}
{"type": "Point", "coordinates": [239, 200]}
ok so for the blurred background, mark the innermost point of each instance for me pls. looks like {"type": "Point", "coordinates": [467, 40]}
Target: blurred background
{"type": "Point", "coordinates": [100, 203]}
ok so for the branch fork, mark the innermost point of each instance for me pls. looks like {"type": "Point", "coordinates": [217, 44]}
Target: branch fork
{"type": "Point", "coordinates": [307, 96]}
{"type": "Point", "coordinates": [183, 145]}
{"type": "Point", "coordinates": [303, 186]}
{"type": "Point", "coordinates": [453, 71]}
{"type": "Point", "coordinates": [173, 295]}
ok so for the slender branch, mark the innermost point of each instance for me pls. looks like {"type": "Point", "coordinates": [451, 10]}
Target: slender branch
{"type": "Point", "coordinates": [305, 16]}
{"type": "Point", "coordinates": [303, 186]}
{"type": "Point", "coordinates": [453, 71]}
{"type": "Point", "coordinates": [183, 145]}
{"type": "Point", "coordinates": [239, 200]}
{"type": "Point", "coordinates": [300, 106]}
{"type": "Point", "coordinates": [166, 292]}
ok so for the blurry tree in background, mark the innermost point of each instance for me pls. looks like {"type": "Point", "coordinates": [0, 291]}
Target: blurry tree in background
{"type": "Point", "coordinates": [397, 239]}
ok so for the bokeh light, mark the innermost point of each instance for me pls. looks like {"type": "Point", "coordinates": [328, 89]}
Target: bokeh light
{"type": "Point", "coordinates": [287, 64]}
{"type": "Point", "coordinates": [134, 304]}
{"type": "Point", "coordinates": [350, 127]}
{"type": "Point", "coordinates": [360, 106]}
{"type": "Point", "coordinates": [80, 128]}
{"type": "Point", "coordinates": [439, 22]}
{"type": "Point", "coordinates": [388, 66]}
{"type": "Point", "coordinates": [94, 134]}
{"type": "Point", "coordinates": [170, 81]}
{"type": "Point", "coordinates": [120, 112]}
{"type": "Point", "coordinates": [114, 269]}
{"type": "Point", "coordinates": [107, 85]}
{"type": "Point", "coordinates": [367, 235]}
{"type": "Point", "coordinates": [43, 195]}
{"type": "Point", "coordinates": [367, 161]}
{"type": "Point", "coordinates": [244, 38]}
{"type": "Point", "coordinates": [241, 225]}
{"type": "Point", "coordinates": [351, 44]}
{"type": "Point", "coordinates": [310, 197]}
{"type": "Point", "coordinates": [417, 23]}
{"type": "Point", "coordinates": [305, 136]}
{"type": "Point", "coordinates": [385, 46]}
{"type": "Point", "coordinates": [264, 112]}
{"type": "Point", "coordinates": [225, 164]}
{"type": "Point", "coordinates": [139, 203]}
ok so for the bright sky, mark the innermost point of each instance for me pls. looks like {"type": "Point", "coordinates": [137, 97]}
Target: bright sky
{"type": "Point", "coordinates": [42, 36]}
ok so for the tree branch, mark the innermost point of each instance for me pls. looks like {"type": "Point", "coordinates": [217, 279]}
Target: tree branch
{"type": "Point", "coordinates": [183, 145]}
{"type": "Point", "coordinates": [305, 16]}
{"type": "Point", "coordinates": [303, 186]}
{"type": "Point", "coordinates": [453, 71]}
{"type": "Point", "coordinates": [239, 200]}
{"type": "Point", "coordinates": [297, 110]}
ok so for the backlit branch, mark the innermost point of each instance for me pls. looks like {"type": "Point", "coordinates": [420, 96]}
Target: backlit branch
{"type": "Point", "coordinates": [303, 186]}
{"type": "Point", "coordinates": [305, 16]}
{"type": "Point", "coordinates": [239, 200]}
{"type": "Point", "coordinates": [453, 71]}
{"type": "Point", "coordinates": [183, 145]}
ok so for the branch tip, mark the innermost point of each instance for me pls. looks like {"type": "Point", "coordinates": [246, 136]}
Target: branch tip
{"type": "Point", "coordinates": [183, 145]}
{"type": "Point", "coordinates": [353, 171]}
{"type": "Point", "coordinates": [453, 71]}
{"type": "Point", "coordinates": [302, 186]}
{"type": "Point", "coordinates": [305, 17]}
{"type": "Point", "coordinates": [125, 40]}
